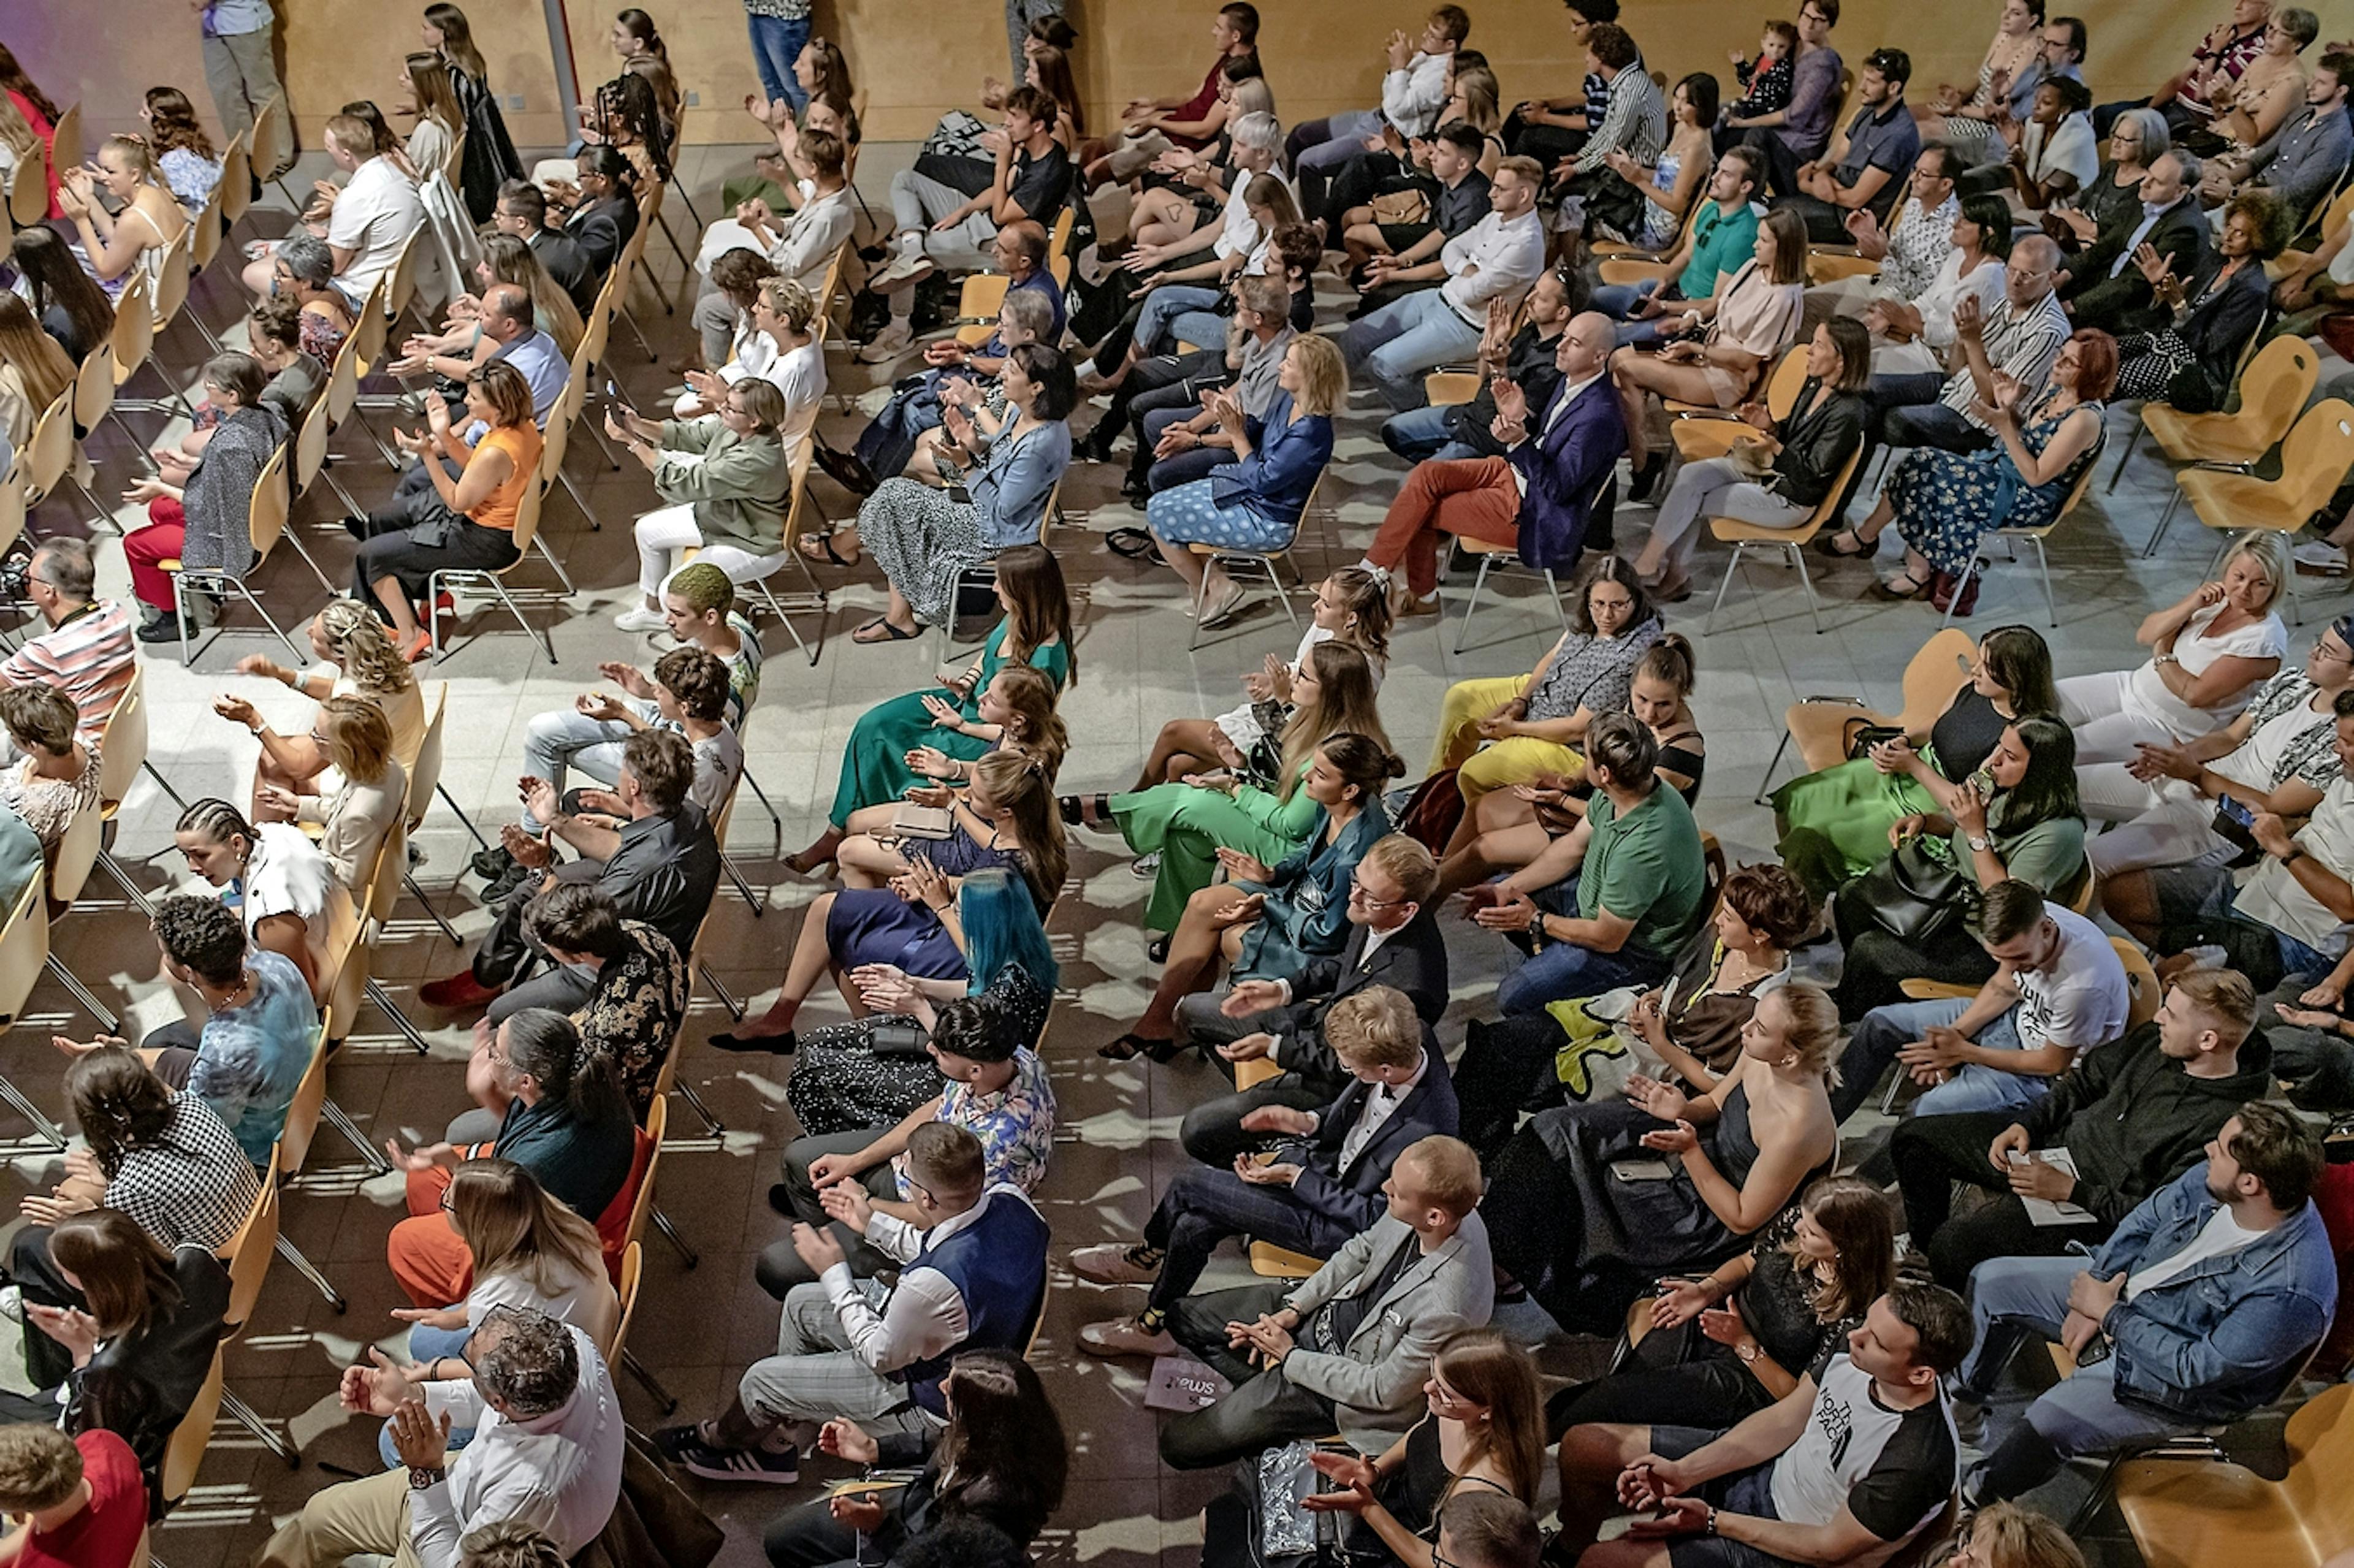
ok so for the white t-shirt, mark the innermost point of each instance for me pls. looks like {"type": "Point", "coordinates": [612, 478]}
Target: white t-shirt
{"type": "Point", "coordinates": [373, 217]}
{"type": "Point", "coordinates": [800, 375]}
{"type": "Point", "coordinates": [586, 1300]}
{"type": "Point", "coordinates": [1238, 232]}
{"type": "Point", "coordinates": [2219, 1234]}
{"type": "Point", "coordinates": [2274, 895]}
{"type": "Point", "coordinates": [1893, 1469]}
{"type": "Point", "coordinates": [2265, 639]}
{"type": "Point", "coordinates": [2081, 1000]}
{"type": "Point", "coordinates": [2255, 761]}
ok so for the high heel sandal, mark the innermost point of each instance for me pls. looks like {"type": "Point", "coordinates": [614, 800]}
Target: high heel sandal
{"type": "Point", "coordinates": [1829, 544]}
{"type": "Point", "coordinates": [1131, 1045]}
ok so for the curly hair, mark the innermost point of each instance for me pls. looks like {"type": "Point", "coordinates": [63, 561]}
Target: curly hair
{"type": "Point", "coordinates": [356, 640]}
{"type": "Point", "coordinates": [202, 935]}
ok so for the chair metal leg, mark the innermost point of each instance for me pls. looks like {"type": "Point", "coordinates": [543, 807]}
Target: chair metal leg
{"type": "Point", "coordinates": [446, 929]}
{"type": "Point", "coordinates": [156, 774]}
{"type": "Point", "coordinates": [611, 459]}
{"type": "Point", "coordinates": [759, 901]}
{"type": "Point", "coordinates": [465, 820]}
{"type": "Point", "coordinates": [81, 993]}
{"type": "Point", "coordinates": [638, 332]}
{"type": "Point", "coordinates": [122, 880]}
{"type": "Point", "coordinates": [777, 609]}
{"type": "Point", "coordinates": [637, 1369]}
{"type": "Point", "coordinates": [1959, 588]}
{"type": "Point", "coordinates": [49, 1130]}
{"type": "Point", "coordinates": [2119, 473]}
{"type": "Point", "coordinates": [735, 1008]}
{"type": "Point", "coordinates": [1463, 628]}
{"type": "Point", "coordinates": [2043, 570]}
{"type": "Point", "coordinates": [661, 1223]}
{"type": "Point", "coordinates": [561, 574]}
{"type": "Point", "coordinates": [695, 1100]}
{"type": "Point", "coordinates": [776, 824]}
{"type": "Point", "coordinates": [1283, 595]}
{"type": "Point", "coordinates": [245, 1417]}
{"type": "Point", "coordinates": [1763, 784]}
{"type": "Point", "coordinates": [2165, 519]}
{"type": "Point", "coordinates": [335, 1116]}
{"type": "Point", "coordinates": [1724, 588]}
{"type": "Point", "coordinates": [1807, 581]}
{"type": "Point", "coordinates": [668, 297]}
{"type": "Point", "coordinates": [391, 1008]}
{"type": "Point", "coordinates": [308, 1270]}
{"type": "Point", "coordinates": [1553, 590]}
{"type": "Point", "coordinates": [293, 536]}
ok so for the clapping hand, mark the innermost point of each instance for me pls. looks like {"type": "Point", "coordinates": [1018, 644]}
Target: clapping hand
{"type": "Point", "coordinates": [930, 762]}
{"type": "Point", "coordinates": [945, 715]}
{"type": "Point", "coordinates": [922, 882]}
{"type": "Point", "coordinates": [74, 1329]}
{"type": "Point", "coordinates": [602, 706]}
{"type": "Point", "coordinates": [1497, 909]}
{"type": "Point", "coordinates": [275, 803]}
{"type": "Point", "coordinates": [1240, 912]}
{"type": "Point", "coordinates": [817, 1248]}
{"type": "Point", "coordinates": [1679, 1302]}
{"type": "Point", "coordinates": [629, 678]}
{"type": "Point", "coordinates": [379, 1388]}
{"type": "Point", "coordinates": [1352, 1480]}
{"type": "Point", "coordinates": [848, 1440]}
{"type": "Point", "coordinates": [883, 988]}
{"type": "Point", "coordinates": [860, 1511]}
{"type": "Point", "coordinates": [848, 1201]}
{"type": "Point", "coordinates": [236, 710]}
{"type": "Point", "coordinates": [1661, 1100]}
{"type": "Point", "coordinates": [419, 1440]}
{"type": "Point", "coordinates": [1251, 996]}
{"type": "Point", "coordinates": [1241, 867]}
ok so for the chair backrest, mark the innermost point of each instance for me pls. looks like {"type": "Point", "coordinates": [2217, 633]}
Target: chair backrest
{"type": "Point", "coordinates": [425, 770]}
{"type": "Point", "coordinates": [1934, 676]}
{"type": "Point", "coordinates": [557, 437]}
{"type": "Point", "coordinates": [122, 744]}
{"type": "Point", "coordinates": [343, 382]}
{"type": "Point", "coordinates": [64, 145]}
{"type": "Point", "coordinates": [1782, 386]}
{"type": "Point", "coordinates": [235, 186]}
{"type": "Point", "coordinates": [53, 447]}
{"type": "Point", "coordinates": [2278, 381]}
{"type": "Point", "coordinates": [1058, 241]}
{"type": "Point", "coordinates": [2320, 1455]}
{"type": "Point", "coordinates": [2333, 214]}
{"type": "Point", "coordinates": [204, 235]}
{"type": "Point", "coordinates": [657, 1124]}
{"type": "Point", "coordinates": [403, 287]}
{"type": "Point", "coordinates": [171, 280]}
{"type": "Point", "coordinates": [134, 328]}
{"type": "Point", "coordinates": [302, 1113]}
{"type": "Point", "coordinates": [454, 160]}
{"type": "Point", "coordinates": [2141, 982]}
{"type": "Point", "coordinates": [267, 121]}
{"type": "Point", "coordinates": [343, 957]}
{"type": "Point", "coordinates": [77, 853]}
{"type": "Point", "coordinates": [534, 496]}
{"type": "Point", "coordinates": [1830, 501]}
{"type": "Point", "coordinates": [247, 1252]}
{"type": "Point", "coordinates": [184, 1455]}
{"type": "Point", "coordinates": [2317, 454]}
{"type": "Point", "coordinates": [12, 507]}
{"type": "Point", "coordinates": [23, 950]}
{"type": "Point", "coordinates": [268, 516]}
{"type": "Point", "coordinates": [391, 863]}
{"type": "Point", "coordinates": [633, 1269]}
{"type": "Point", "coordinates": [311, 448]}
{"type": "Point", "coordinates": [372, 325]}
{"type": "Point", "coordinates": [1448, 389]}
{"type": "Point", "coordinates": [28, 193]}
{"type": "Point", "coordinates": [94, 388]}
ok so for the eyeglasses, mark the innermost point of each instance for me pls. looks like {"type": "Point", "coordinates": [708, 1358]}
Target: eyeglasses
{"type": "Point", "coordinates": [1357, 894]}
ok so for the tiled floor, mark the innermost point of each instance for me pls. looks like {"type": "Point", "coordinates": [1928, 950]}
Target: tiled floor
{"type": "Point", "coordinates": [697, 1328]}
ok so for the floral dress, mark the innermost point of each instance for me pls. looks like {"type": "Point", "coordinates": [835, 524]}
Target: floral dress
{"type": "Point", "coordinates": [1946, 502]}
{"type": "Point", "coordinates": [636, 1009]}
{"type": "Point", "coordinates": [840, 1084]}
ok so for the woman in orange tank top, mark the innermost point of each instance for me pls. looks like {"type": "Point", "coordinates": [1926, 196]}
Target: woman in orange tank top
{"type": "Point", "coordinates": [468, 523]}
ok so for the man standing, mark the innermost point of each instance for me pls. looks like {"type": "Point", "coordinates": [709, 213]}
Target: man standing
{"type": "Point", "coordinates": [243, 75]}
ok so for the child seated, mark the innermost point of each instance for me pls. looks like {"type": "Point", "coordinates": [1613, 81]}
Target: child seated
{"type": "Point", "coordinates": [1766, 81]}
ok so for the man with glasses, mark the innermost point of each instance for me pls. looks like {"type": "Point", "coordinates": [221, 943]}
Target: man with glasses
{"type": "Point", "coordinates": [86, 653]}
{"type": "Point", "coordinates": [521, 211]}
{"type": "Point", "coordinates": [1394, 940]}
{"type": "Point", "coordinates": [2103, 285]}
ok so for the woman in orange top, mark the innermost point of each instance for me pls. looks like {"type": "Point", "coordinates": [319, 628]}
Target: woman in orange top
{"type": "Point", "coordinates": [468, 523]}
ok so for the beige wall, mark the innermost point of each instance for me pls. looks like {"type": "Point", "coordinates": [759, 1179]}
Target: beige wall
{"type": "Point", "coordinates": [914, 58]}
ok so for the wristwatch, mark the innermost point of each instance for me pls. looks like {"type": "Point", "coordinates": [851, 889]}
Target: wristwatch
{"type": "Point", "coordinates": [1979, 844]}
{"type": "Point", "coordinates": [1750, 1351]}
{"type": "Point", "coordinates": [423, 1477]}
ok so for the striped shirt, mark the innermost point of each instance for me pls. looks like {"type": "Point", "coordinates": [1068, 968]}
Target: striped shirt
{"type": "Point", "coordinates": [87, 656]}
{"type": "Point", "coordinates": [2021, 345]}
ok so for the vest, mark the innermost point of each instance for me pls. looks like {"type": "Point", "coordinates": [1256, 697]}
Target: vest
{"type": "Point", "coordinates": [997, 1265]}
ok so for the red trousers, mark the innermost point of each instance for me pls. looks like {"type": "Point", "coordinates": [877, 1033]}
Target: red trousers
{"type": "Point", "coordinates": [1474, 497]}
{"type": "Point", "coordinates": [162, 540]}
{"type": "Point", "coordinates": [429, 1260]}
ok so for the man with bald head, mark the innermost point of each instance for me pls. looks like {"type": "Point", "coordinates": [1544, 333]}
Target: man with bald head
{"type": "Point", "coordinates": [1546, 493]}
{"type": "Point", "coordinates": [2101, 285]}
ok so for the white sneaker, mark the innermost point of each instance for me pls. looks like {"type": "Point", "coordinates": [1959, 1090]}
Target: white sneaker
{"type": "Point", "coordinates": [905, 267]}
{"type": "Point", "coordinates": [638, 618]}
{"type": "Point", "coordinates": [889, 344]}
{"type": "Point", "coordinates": [2316, 556]}
{"type": "Point", "coordinates": [12, 1303]}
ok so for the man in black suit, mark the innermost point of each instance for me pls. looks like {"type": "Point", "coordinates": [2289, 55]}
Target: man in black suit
{"type": "Point", "coordinates": [606, 215]}
{"type": "Point", "coordinates": [1394, 940]}
{"type": "Point", "coordinates": [1321, 1186]}
{"type": "Point", "coordinates": [522, 212]}
{"type": "Point", "coordinates": [2101, 286]}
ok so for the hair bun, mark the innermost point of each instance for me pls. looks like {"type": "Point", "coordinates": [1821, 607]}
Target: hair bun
{"type": "Point", "coordinates": [1394, 765]}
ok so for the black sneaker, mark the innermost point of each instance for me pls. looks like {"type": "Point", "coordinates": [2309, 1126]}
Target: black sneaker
{"type": "Point", "coordinates": [165, 629]}
{"type": "Point", "coordinates": [491, 862]}
{"type": "Point", "coordinates": [686, 1450]}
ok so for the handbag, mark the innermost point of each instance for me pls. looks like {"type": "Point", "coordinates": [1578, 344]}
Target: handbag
{"type": "Point", "coordinates": [1915, 897]}
{"type": "Point", "coordinates": [1863, 734]}
{"type": "Point", "coordinates": [1432, 814]}
{"type": "Point", "coordinates": [1409, 205]}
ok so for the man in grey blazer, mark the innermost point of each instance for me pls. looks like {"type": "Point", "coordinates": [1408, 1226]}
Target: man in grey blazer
{"type": "Point", "coordinates": [1349, 1347]}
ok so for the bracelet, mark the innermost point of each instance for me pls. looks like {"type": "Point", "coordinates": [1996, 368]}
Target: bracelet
{"type": "Point", "coordinates": [1710, 1528]}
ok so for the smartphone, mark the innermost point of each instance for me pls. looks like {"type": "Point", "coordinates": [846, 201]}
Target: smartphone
{"type": "Point", "coordinates": [2232, 808]}
{"type": "Point", "coordinates": [618, 398]}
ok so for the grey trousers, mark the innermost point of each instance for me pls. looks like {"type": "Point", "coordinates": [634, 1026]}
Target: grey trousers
{"type": "Point", "coordinates": [243, 77]}
{"type": "Point", "coordinates": [1018, 14]}
{"type": "Point", "coordinates": [917, 202]}
{"type": "Point", "coordinates": [1714, 487]}
{"type": "Point", "coordinates": [814, 1376]}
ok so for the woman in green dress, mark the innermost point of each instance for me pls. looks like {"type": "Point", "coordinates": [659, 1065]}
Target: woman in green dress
{"type": "Point", "coordinates": [1254, 805]}
{"type": "Point", "coordinates": [1834, 824]}
{"type": "Point", "coordinates": [1035, 631]}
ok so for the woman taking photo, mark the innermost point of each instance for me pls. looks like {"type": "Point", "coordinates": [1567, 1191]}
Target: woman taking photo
{"type": "Point", "coordinates": [32, 371]}
{"type": "Point", "coordinates": [923, 539]}
{"type": "Point", "coordinates": [1034, 631]}
{"type": "Point", "coordinates": [1775, 479]}
{"type": "Point", "coordinates": [72, 309]}
{"type": "Point", "coordinates": [1834, 824]}
{"type": "Point", "coordinates": [857, 1074]}
{"type": "Point", "coordinates": [1255, 503]}
{"type": "Point", "coordinates": [1685, 1030]}
{"type": "Point", "coordinates": [1585, 1240]}
{"type": "Point", "coordinates": [58, 778]}
{"type": "Point", "coordinates": [137, 230]}
{"type": "Point", "coordinates": [2210, 650]}
{"type": "Point", "coordinates": [474, 530]}
{"type": "Point", "coordinates": [489, 153]}
{"type": "Point", "coordinates": [206, 522]}
{"type": "Point", "coordinates": [1723, 1347]}
{"type": "Point", "coordinates": [2017, 818]}
{"type": "Point", "coordinates": [129, 1354]}
{"type": "Point", "coordinates": [356, 659]}
{"type": "Point", "coordinates": [1945, 503]}
{"type": "Point", "coordinates": [1269, 920]}
{"type": "Point", "coordinates": [1532, 723]}
{"type": "Point", "coordinates": [1254, 804]}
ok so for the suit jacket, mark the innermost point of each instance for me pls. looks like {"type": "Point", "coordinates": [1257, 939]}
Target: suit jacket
{"type": "Point", "coordinates": [1413, 960]}
{"type": "Point", "coordinates": [568, 265]}
{"type": "Point", "coordinates": [1567, 471]}
{"type": "Point", "coordinates": [1352, 1199]}
{"type": "Point", "coordinates": [1375, 1381]}
{"type": "Point", "coordinates": [2124, 304]}
{"type": "Point", "coordinates": [2221, 320]}
{"type": "Point", "coordinates": [1823, 431]}
{"type": "Point", "coordinates": [139, 1386]}
{"type": "Point", "coordinates": [601, 229]}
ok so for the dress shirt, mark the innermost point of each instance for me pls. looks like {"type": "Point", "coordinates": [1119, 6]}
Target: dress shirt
{"type": "Point", "coordinates": [1508, 258]}
{"type": "Point", "coordinates": [561, 1471]}
{"type": "Point", "coordinates": [1634, 124]}
{"type": "Point", "coordinates": [2150, 218]}
{"type": "Point", "coordinates": [233, 18]}
{"type": "Point", "coordinates": [1381, 1104]}
{"type": "Point", "coordinates": [665, 872]}
{"type": "Point", "coordinates": [1917, 247]}
{"type": "Point", "coordinates": [1374, 937]}
{"type": "Point", "coordinates": [2020, 343]}
{"type": "Point", "coordinates": [924, 1315]}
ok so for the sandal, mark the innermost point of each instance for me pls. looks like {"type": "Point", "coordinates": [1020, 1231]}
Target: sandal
{"type": "Point", "coordinates": [824, 552]}
{"type": "Point", "coordinates": [1829, 544]}
{"type": "Point", "coordinates": [1904, 585]}
{"type": "Point", "coordinates": [1131, 1045]}
{"type": "Point", "coordinates": [889, 633]}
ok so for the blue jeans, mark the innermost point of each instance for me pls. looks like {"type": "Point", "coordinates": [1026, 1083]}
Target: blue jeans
{"type": "Point", "coordinates": [1346, 133]}
{"type": "Point", "coordinates": [425, 1344]}
{"type": "Point", "coordinates": [777, 43]}
{"type": "Point", "coordinates": [1562, 970]}
{"type": "Point", "coordinates": [1177, 311]}
{"type": "Point", "coordinates": [1420, 434]}
{"type": "Point", "coordinates": [1620, 300]}
{"type": "Point", "coordinates": [1397, 343]}
{"type": "Point", "coordinates": [1884, 1031]}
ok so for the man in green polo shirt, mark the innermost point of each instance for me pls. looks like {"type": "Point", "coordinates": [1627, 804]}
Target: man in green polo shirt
{"type": "Point", "coordinates": [1715, 243]}
{"type": "Point", "coordinates": [1611, 901]}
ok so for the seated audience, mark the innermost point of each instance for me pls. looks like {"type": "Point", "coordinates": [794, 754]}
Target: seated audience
{"type": "Point", "coordinates": [203, 522]}
{"type": "Point", "coordinates": [154, 1153]}
{"type": "Point", "coordinates": [785, 349]}
{"type": "Point", "coordinates": [1864, 167]}
{"type": "Point", "coordinates": [2132, 1115]}
{"type": "Point", "coordinates": [1910, 250]}
{"type": "Point", "coordinates": [1484, 1529]}
{"type": "Point", "coordinates": [801, 244]}
{"type": "Point", "coordinates": [2056, 155]}
{"type": "Point", "coordinates": [1348, 1348]}
{"type": "Point", "coordinates": [2136, 137]}
{"type": "Point", "coordinates": [602, 212]}
{"type": "Point", "coordinates": [522, 212]}
{"type": "Point", "coordinates": [55, 778]}
{"type": "Point", "coordinates": [1856, 1459]}
{"type": "Point", "coordinates": [1969, 119]}
{"type": "Point", "coordinates": [361, 795]}
{"type": "Point", "coordinates": [632, 1016]}
{"type": "Point", "coordinates": [82, 1501]}
{"type": "Point", "coordinates": [129, 231]}
{"type": "Point", "coordinates": [356, 659]}
{"type": "Point", "coordinates": [68, 305]}
{"type": "Point", "coordinates": [34, 372]}
{"type": "Point", "coordinates": [1671, 181]}
{"type": "Point", "coordinates": [1911, 336]}
{"type": "Point", "coordinates": [273, 876]}
{"type": "Point", "coordinates": [1322, 1181]}
{"type": "Point", "coordinates": [2207, 1297]}
{"type": "Point", "coordinates": [1715, 245]}
{"type": "Point", "coordinates": [520, 317]}
{"type": "Point", "coordinates": [529, 1250]}
{"type": "Point", "coordinates": [2300, 166]}
{"type": "Point", "coordinates": [1517, 345]}
{"type": "Point", "coordinates": [2272, 86]}
{"type": "Point", "coordinates": [1796, 133]}
{"type": "Point", "coordinates": [723, 480]}
{"type": "Point", "coordinates": [1566, 1219]}
{"type": "Point", "coordinates": [1625, 141]}
{"type": "Point", "coordinates": [1389, 257]}
{"type": "Point", "coordinates": [2190, 358]}
{"type": "Point", "coordinates": [1178, 442]}
{"type": "Point", "coordinates": [972, 1275]}
{"type": "Point", "coordinates": [1414, 89]}
{"type": "Point", "coordinates": [547, 1450]}
{"type": "Point", "coordinates": [372, 219]}
{"type": "Point", "coordinates": [2101, 287]}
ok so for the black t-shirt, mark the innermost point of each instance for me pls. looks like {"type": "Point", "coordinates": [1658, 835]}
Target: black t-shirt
{"type": "Point", "coordinates": [1893, 1469]}
{"type": "Point", "coordinates": [1042, 182]}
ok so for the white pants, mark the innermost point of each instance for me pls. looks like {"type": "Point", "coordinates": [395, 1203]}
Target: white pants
{"type": "Point", "coordinates": [549, 172]}
{"type": "Point", "coordinates": [673, 528]}
{"type": "Point", "coordinates": [724, 236]}
{"type": "Point", "coordinates": [2177, 830]}
{"type": "Point", "coordinates": [2109, 723]}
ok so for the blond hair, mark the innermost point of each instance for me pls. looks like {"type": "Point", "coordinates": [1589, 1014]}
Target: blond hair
{"type": "Point", "coordinates": [1323, 376]}
{"type": "Point", "coordinates": [1374, 1027]}
{"type": "Point", "coordinates": [1450, 1172]}
{"type": "Point", "coordinates": [362, 651]}
{"type": "Point", "coordinates": [358, 737]}
{"type": "Point", "coordinates": [1814, 1028]}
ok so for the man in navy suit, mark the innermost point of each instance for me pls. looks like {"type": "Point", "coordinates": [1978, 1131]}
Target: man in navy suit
{"type": "Point", "coordinates": [1322, 1186]}
{"type": "Point", "coordinates": [1547, 498]}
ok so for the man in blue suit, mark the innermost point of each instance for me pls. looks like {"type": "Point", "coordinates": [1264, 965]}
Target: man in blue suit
{"type": "Point", "coordinates": [1547, 498]}
{"type": "Point", "coordinates": [1322, 1186]}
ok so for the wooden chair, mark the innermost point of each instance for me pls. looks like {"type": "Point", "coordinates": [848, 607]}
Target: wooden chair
{"type": "Point", "coordinates": [1819, 724]}
{"type": "Point", "coordinates": [266, 524]}
{"type": "Point", "coordinates": [454, 577]}
{"type": "Point", "coordinates": [1628, 263]}
{"type": "Point", "coordinates": [2035, 536]}
{"type": "Point", "coordinates": [2273, 392]}
{"type": "Point", "coordinates": [23, 956]}
{"type": "Point", "coordinates": [12, 508]}
{"type": "Point", "coordinates": [1450, 388]}
{"type": "Point", "coordinates": [28, 193]}
{"type": "Point", "coordinates": [247, 1255]}
{"type": "Point", "coordinates": [1744, 536]}
{"type": "Point", "coordinates": [1491, 556]}
{"type": "Point", "coordinates": [236, 180]}
{"type": "Point", "coordinates": [2222, 1515]}
{"type": "Point", "coordinates": [2313, 458]}
{"type": "Point", "coordinates": [294, 1141]}
{"type": "Point", "coordinates": [168, 299]}
{"type": "Point", "coordinates": [424, 774]}
{"type": "Point", "coordinates": [981, 574]}
{"type": "Point", "coordinates": [184, 1455]}
{"type": "Point", "coordinates": [1705, 433]}
{"type": "Point", "coordinates": [1267, 561]}
{"type": "Point", "coordinates": [633, 1269]}
{"type": "Point", "coordinates": [64, 143]}
{"type": "Point", "coordinates": [267, 123]}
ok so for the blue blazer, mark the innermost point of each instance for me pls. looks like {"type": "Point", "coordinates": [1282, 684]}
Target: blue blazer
{"type": "Point", "coordinates": [1566, 472]}
{"type": "Point", "coordinates": [1353, 1201]}
{"type": "Point", "coordinates": [1307, 909]}
{"type": "Point", "coordinates": [1287, 455]}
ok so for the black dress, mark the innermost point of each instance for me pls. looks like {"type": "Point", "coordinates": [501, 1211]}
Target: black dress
{"type": "Point", "coordinates": [1412, 1493]}
{"type": "Point", "coordinates": [841, 1085]}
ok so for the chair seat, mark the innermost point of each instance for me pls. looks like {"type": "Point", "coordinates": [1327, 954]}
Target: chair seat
{"type": "Point", "coordinates": [1935, 991]}
{"type": "Point", "coordinates": [1697, 440]}
{"type": "Point", "coordinates": [2202, 438]}
{"type": "Point", "coordinates": [1732, 531]}
{"type": "Point", "coordinates": [1820, 731]}
{"type": "Point", "coordinates": [1826, 266]}
{"type": "Point", "coordinates": [1632, 269]}
{"type": "Point", "coordinates": [2201, 1516]}
{"type": "Point", "coordinates": [1471, 546]}
{"type": "Point", "coordinates": [2240, 501]}
{"type": "Point", "coordinates": [1277, 1263]}
{"type": "Point", "coordinates": [172, 565]}
{"type": "Point", "coordinates": [1233, 550]}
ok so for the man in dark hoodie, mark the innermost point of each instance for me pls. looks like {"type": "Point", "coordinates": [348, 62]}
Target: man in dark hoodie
{"type": "Point", "coordinates": [2132, 1115]}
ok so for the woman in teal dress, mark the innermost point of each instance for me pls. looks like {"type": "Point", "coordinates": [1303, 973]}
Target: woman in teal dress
{"type": "Point", "coordinates": [1834, 823]}
{"type": "Point", "coordinates": [1035, 631]}
{"type": "Point", "coordinates": [1254, 806]}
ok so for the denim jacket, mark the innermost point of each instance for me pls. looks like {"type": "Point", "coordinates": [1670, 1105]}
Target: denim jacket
{"type": "Point", "coordinates": [2227, 1335]}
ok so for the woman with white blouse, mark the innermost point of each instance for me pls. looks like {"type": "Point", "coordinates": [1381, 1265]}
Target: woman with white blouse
{"type": "Point", "coordinates": [2208, 651]}
{"type": "Point", "coordinates": [1910, 338]}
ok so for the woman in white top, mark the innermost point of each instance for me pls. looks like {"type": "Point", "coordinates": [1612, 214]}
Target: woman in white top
{"type": "Point", "coordinates": [138, 235]}
{"type": "Point", "coordinates": [425, 96]}
{"type": "Point", "coordinates": [274, 877]}
{"type": "Point", "coordinates": [1911, 338]}
{"type": "Point", "coordinates": [356, 659]}
{"type": "Point", "coordinates": [2057, 154]}
{"type": "Point", "coordinates": [2208, 652]}
{"type": "Point", "coordinates": [783, 349]}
